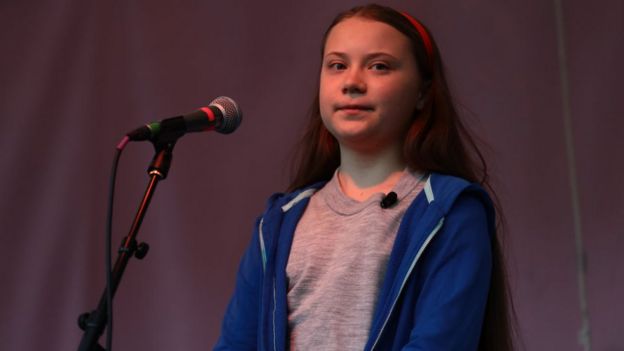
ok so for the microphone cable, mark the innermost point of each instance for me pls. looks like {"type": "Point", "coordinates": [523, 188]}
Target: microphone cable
{"type": "Point", "coordinates": [108, 245]}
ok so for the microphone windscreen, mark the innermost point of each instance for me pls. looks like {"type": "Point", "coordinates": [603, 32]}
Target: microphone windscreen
{"type": "Point", "coordinates": [232, 114]}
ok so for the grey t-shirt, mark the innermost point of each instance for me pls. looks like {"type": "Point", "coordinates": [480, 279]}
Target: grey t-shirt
{"type": "Point", "coordinates": [337, 264]}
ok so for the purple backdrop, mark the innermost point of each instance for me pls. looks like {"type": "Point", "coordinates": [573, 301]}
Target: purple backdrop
{"type": "Point", "coordinates": [540, 85]}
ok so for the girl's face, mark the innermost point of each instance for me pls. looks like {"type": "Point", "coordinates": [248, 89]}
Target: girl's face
{"type": "Point", "coordinates": [369, 84]}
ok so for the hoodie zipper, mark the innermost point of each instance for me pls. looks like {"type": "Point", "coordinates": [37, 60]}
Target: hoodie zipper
{"type": "Point", "coordinates": [409, 272]}
{"type": "Point", "coordinates": [274, 308]}
{"type": "Point", "coordinates": [262, 247]}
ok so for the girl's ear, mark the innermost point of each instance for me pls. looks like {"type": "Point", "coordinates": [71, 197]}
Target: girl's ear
{"type": "Point", "coordinates": [421, 101]}
{"type": "Point", "coordinates": [422, 96]}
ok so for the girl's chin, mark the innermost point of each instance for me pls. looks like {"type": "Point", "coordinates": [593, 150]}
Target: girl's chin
{"type": "Point", "coordinates": [366, 143]}
{"type": "Point", "coordinates": [354, 136]}
{"type": "Point", "coordinates": [353, 130]}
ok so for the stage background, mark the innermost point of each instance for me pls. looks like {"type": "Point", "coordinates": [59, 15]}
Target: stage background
{"type": "Point", "coordinates": [543, 88]}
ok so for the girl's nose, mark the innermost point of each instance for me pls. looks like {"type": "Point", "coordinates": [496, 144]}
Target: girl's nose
{"type": "Point", "coordinates": [354, 84]}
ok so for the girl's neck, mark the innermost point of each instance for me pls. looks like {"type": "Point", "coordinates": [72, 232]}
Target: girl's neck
{"type": "Point", "coordinates": [363, 174]}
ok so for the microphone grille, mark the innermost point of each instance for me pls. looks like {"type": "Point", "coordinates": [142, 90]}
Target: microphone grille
{"type": "Point", "coordinates": [232, 114]}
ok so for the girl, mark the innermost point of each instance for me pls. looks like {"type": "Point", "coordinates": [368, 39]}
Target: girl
{"type": "Point", "coordinates": [385, 240]}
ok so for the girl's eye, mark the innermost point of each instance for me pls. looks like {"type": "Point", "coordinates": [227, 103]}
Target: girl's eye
{"type": "Point", "coordinates": [380, 67]}
{"type": "Point", "coordinates": [337, 66]}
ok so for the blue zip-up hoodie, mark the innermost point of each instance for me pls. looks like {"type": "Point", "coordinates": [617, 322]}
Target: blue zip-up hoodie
{"type": "Point", "coordinates": [436, 285]}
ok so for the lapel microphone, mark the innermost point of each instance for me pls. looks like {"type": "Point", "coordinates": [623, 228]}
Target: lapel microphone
{"type": "Point", "coordinates": [389, 200]}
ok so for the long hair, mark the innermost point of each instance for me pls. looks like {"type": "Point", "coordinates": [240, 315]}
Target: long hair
{"type": "Point", "coordinates": [436, 141]}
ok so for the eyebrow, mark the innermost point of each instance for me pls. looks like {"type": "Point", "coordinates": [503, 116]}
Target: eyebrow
{"type": "Point", "coordinates": [367, 57]}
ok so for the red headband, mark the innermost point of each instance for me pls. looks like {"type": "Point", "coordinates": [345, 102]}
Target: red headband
{"type": "Point", "coordinates": [423, 35]}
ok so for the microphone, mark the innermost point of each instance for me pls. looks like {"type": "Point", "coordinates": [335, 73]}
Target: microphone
{"type": "Point", "coordinates": [389, 200]}
{"type": "Point", "coordinates": [222, 115]}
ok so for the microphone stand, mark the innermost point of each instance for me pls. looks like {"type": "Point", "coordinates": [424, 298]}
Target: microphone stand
{"type": "Point", "coordinates": [93, 323]}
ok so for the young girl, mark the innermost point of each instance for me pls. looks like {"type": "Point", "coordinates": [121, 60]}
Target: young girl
{"type": "Point", "coordinates": [385, 241]}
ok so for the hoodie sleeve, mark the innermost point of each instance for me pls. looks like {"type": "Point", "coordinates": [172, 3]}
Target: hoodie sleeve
{"type": "Point", "coordinates": [449, 312]}
{"type": "Point", "coordinates": [240, 324]}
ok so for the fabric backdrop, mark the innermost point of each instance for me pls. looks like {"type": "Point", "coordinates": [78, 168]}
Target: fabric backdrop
{"type": "Point", "coordinates": [539, 81]}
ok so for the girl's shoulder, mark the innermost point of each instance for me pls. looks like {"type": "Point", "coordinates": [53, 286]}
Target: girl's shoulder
{"type": "Point", "coordinates": [445, 190]}
{"type": "Point", "coordinates": [285, 201]}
